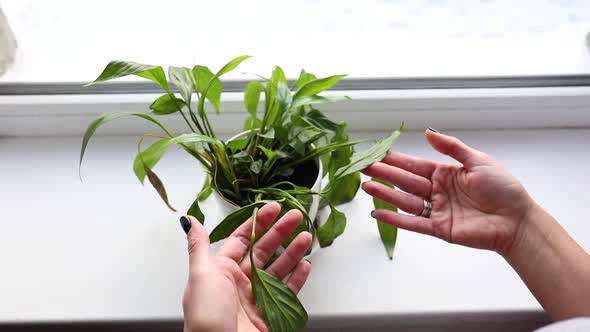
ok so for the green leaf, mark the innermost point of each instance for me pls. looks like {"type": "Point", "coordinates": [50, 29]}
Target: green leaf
{"type": "Point", "coordinates": [233, 221]}
{"type": "Point", "coordinates": [252, 97]}
{"type": "Point", "coordinates": [256, 166]}
{"type": "Point", "coordinates": [279, 306]}
{"type": "Point", "coordinates": [270, 155]}
{"type": "Point", "coordinates": [333, 227]}
{"type": "Point", "coordinates": [166, 104]}
{"type": "Point", "coordinates": [278, 76]}
{"type": "Point", "coordinates": [270, 134]}
{"type": "Point", "coordinates": [205, 80]}
{"type": "Point", "coordinates": [238, 144]}
{"type": "Point", "coordinates": [387, 232]}
{"type": "Point", "coordinates": [195, 210]}
{"type": "Point", "coordinates": [252, 123]}
{"type": "Point", "coordinates": [116, 69]}
{"type": "Point", "coordinates": [232, 65]}
{"type": "Point", "coordinates": [101, 120]}
{"type": "Point", "coordinates": [158, 185]}
{"type": "Point", "coordinates": [154, 152]}
{"type": "Point", "coordinates": [303, 78]}
{"type": "Point", "coordinates": [344, 190]}
{"type": "Point", "coordinates": [316, 86]}
{"type": "Point", "coordinates": [363, 159]}
{"type": "Point", "coordinates": [320, 121]}
{"type": "Point", "coordinates": [182, 79]}
{"type": "Point", "coordinates": [315, 99]}
{"type": "Point", "coordinates": [205, 191]}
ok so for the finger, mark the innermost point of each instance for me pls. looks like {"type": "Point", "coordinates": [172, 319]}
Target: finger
{"type": "Point", "coordinates": [406, 181]}
{"type": "Point", "coordinates": [198, 241]}
{"type": "Point", "coordinates": [291, 256]}
{"type": "Point", "coordinates": [422, 167]}
{"type": "Point", "coordinates": [454, 148]}
{"type": "Point", "coordinates": [270, 242]}
{"type": "Point", "coordinates": [408, 203]}
{"type": "Point", "coordinates": [236, 245]}
{"type": "Point", "coordinates": [411, 223]}
{"type": "Point", "coordinates": [299, 276]}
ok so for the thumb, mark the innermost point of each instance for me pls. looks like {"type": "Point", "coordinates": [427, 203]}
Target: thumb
{"type": "Point", "coordinates": [198, 239]}
{"type": "Point", "coordinates": [454, 148]}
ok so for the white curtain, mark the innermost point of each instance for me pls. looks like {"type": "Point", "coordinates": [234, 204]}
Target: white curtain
{"type": "Point", "coordinates": [7, 44]}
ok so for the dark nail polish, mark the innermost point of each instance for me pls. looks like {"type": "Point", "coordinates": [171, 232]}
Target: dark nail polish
{"type": "Point", "coordinates": [373, 213]}
{"type": "Point", "coordinates": [185, 223]}
{"type": "Point", "coordinates": [433, 130]}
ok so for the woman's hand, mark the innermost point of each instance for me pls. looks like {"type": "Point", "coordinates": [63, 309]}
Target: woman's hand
{"type": "Point", "coordinates": [479, 204]}
{"type": "Point", "coordinates": [218, 295]}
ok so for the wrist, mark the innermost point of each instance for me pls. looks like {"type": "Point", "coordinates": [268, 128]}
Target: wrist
{"type": "Point", "coordinates": [530, 233]}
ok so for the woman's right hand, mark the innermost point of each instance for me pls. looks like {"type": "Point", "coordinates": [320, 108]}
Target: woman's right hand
{"type": "Point", "coordinates": [478, 204]}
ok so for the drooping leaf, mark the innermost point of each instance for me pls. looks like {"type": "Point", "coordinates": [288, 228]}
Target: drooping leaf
{"type": "Point", "coordinates": [333, 227]}
{"type": "Point", "coordinates": [205, 80]}
{"type": "Point", "coordinates": [166, 104]}
{"type": "Point", "coordinates": [182, 79]}
{"type": "Point", "coordinates": [315, 99]}
{"type": "Point", "coordinates": [101, 120]}
{"type": "Point", "coordinates": [117, 68]}
{"type": "Point", "coordinates": [303, 78]}
{"type": "Point", "coordinates": [195, 211]}
{"type": "Point", "coordinates": [344, 190]}
{"type": "Point", "coordinates": [233, 221]}
{"type": "Point", "coordinates": [154, 152]}
{"type": "Point", "coordinates": [316, 86]}
{"type": "Point", "coordinates": [387, 232]}
{"type": "Point", "coordinates": [149, 157]}
{"type": "Point", "coordinates": [252, 97]}
{"type": "Point", "coordinates": [206, 190]}
{"type": "Point", "coordinates": [158, 185]}
{"type": "Point", "coordinates": [279, 306]}
{"type": "Point", "coordinates": [363, 159]}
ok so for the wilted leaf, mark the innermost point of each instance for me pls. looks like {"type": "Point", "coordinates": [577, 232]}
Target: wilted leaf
{"type": "Point", "coordinates": [195, 211]}
{"type": "Point", "coordinates": [206, 190]}
{"type": "Point", "coordinates": [333, 227]}
{"type": "Point", "coordinates": [101, 120]}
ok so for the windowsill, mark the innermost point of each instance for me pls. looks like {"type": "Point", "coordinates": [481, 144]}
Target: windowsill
{"type": "Point", "coordinates": [107, 249]}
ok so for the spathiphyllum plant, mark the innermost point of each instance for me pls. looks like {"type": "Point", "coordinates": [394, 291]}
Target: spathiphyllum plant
{"type": "Point", "coordinates": [277, 158]}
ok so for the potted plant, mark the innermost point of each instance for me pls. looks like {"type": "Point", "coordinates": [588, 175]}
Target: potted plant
{"type": "Point", "coordinates": [282, 155]}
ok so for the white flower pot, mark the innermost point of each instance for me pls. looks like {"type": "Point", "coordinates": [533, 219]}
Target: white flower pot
{"type": "Point", "coordinates": [226, 207]}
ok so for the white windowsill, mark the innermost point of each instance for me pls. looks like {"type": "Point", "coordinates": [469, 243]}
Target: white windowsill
{"type": "Point", "coordinates": [108, 249]}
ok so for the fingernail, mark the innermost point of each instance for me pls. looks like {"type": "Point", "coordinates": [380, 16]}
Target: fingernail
{"type": "Point", "coordinates": [373, 213]}
{"type": "Point", "coordinates": [307, 260]}
{"type": "Point", "coordinates": [433, 130]}
{"type": "Point", "coordinates": [185, 223]}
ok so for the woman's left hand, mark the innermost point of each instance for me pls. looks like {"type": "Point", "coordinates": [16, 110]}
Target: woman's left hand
{"type": "Point", "coordinates": [218, 296]}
